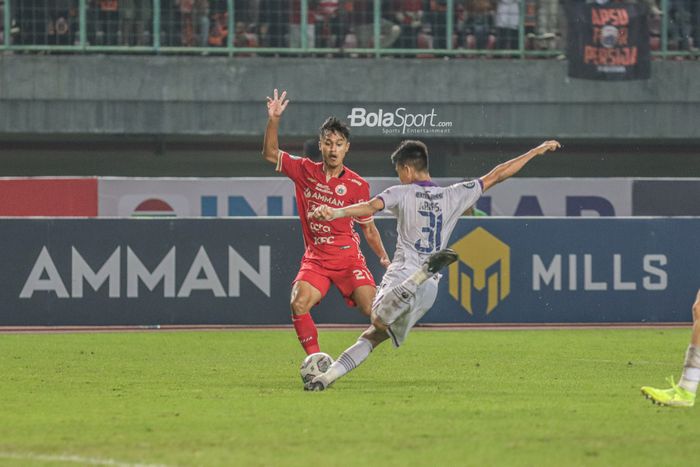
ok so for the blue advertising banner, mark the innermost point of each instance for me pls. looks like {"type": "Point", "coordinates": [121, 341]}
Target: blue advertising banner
{"type": "Point", "coordinates": [239, 271]}
{"type": "Point", "coordinates": [571, 271]}
{"type": "Point", "coordinates": [151, 271]}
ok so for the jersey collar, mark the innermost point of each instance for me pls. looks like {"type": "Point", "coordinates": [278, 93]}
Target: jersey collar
{"type": "Point", "coordinates": [320, 168]}
{"type": "Point", "coordinates": [425, 183]}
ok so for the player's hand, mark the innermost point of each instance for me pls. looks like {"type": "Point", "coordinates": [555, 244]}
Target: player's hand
{"type": "Point", "coordinates": [276, 104]}
{"type": "Point", "coordinates": [323, 213]}
{"type": "Point", "coordinates": [551, 145]}
{"type": "Point", "coordinates": [385, 261]}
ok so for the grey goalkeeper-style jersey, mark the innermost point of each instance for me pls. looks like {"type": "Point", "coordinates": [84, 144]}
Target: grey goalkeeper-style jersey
{"type": "Point", "coordinates": [427, 214]}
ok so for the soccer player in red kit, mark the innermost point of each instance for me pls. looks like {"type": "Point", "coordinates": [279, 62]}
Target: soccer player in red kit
{"type": "Point", "coordinates": [332, 252]}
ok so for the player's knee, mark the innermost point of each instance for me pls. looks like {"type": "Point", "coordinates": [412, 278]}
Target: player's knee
{"type": "Point", "coordinates": [366, 310]}
{"type": "Point", "coordinates": [300, 305]}
{"type": "Point", "coordinates": [375, 336]}
{"type": "Point", "coordinates": [378, 323]}
{"type": "Point", "coordinates": [696, 311]}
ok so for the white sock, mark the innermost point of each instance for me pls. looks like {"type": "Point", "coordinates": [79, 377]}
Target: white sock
{"type": "Point", "coordinates": [349, 360]}
{"type": "Point", "coordinates": [691, 370]}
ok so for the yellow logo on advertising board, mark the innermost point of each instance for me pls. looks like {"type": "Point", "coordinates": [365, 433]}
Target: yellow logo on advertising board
{"type": "Point", "coordinates": [480, 255]}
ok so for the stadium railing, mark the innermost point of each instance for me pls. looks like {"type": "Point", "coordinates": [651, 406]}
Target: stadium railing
{"type": "Point", "coordinates": [203, 27]}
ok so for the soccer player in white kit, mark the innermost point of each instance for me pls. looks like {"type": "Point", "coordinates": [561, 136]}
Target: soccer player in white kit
{"type": "Point", "coordinates": [426, 214]}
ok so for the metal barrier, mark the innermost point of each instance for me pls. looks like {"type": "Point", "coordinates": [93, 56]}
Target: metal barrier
{"type": "Point", "coordinates": [522, 28]}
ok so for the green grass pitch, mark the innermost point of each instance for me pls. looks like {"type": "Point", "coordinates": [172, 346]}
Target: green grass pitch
{"type": "Point", "coordinates": [481, 398]}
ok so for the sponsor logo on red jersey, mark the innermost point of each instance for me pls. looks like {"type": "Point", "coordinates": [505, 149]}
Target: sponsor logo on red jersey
{"type": "Point", "coordinates": [327, 199]}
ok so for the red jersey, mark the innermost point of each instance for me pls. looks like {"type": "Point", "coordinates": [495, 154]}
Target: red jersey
{"type": "Point", "coordinates": [337, 239]}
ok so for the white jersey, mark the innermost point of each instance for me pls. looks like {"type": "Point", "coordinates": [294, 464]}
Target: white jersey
{"type": "Point", "coordinates": [427, 215]}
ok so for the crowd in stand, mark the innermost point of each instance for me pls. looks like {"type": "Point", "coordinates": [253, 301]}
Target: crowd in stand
{"type": "Point", "coordinates": [404, 24]}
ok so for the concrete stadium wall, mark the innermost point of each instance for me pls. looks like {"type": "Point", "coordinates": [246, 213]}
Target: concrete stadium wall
{"type": "Point", "coordinates": [200, 96]}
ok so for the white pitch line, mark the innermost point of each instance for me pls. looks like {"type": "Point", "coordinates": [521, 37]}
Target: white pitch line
{"type": "Point", "coordinates": [71, 458]}
{"type": "Point", "coordinates": [643, 362]}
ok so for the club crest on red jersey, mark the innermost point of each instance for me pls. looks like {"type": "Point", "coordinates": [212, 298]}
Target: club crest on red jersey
{"type": "Point", "coordinates": [341, 189]}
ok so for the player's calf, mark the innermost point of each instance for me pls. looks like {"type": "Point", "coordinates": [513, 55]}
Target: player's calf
{"type": "Point", "coordinates": [300, 304]}
{"type": "Point", "coordinates": [377, 322]}
{"type": "Point", "coordinates": [307, 333]}
{"type": "Point", "coordinates": [302, 299]}
{"type": "Point", "coordinates": [346, 362]}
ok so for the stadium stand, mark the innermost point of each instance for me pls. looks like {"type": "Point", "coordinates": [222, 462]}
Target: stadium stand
{"type": "Point", "coordinates": [514, 27]}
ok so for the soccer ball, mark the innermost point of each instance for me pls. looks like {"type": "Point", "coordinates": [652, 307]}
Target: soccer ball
{"type": "Point", "coordinates": [313, 365]}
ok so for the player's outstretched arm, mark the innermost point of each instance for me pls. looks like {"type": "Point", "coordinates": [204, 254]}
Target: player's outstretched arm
{"type": "Point", "coordinates": [509, 168]}
{"type": "Point", "coordinates": [374, 240]}
{"type": "Point", "coordinates": [368, 208]}
{"type": "Point", "coordinates": [275, 108]}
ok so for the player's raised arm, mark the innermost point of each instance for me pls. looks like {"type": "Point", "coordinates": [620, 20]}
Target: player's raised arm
{"type": "Point", "coordinates": [275, 108]}
{"type": "Point", "coordinates": [368, 208]}
{"type": "Point", "coordinates": [509, 168]}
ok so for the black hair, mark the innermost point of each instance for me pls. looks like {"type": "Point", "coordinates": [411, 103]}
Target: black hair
{"type": "Point", "coordinates": [311, 150]}
{"type": "Point", "coordinates": [413, 153]}
{"type": "Point", "coordinates": [333, 125]}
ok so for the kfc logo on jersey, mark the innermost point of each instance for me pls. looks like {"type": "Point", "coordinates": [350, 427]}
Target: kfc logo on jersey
{"type": "Point", "coordinates": [341, 189]}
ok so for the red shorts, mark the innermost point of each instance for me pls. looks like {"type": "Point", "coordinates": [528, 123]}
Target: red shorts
{"type": "Point", "coordinates": [348, 277]}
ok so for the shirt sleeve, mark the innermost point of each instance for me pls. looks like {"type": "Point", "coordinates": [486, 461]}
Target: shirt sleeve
{"type": "Point", "coordinates": [289, 165]}
{"type": "Point", "coordinates": [392, 197]}
{"type": "Point", "coordinates": [363, 197]}
{"type": "Point", "coordinates": [467, 192]}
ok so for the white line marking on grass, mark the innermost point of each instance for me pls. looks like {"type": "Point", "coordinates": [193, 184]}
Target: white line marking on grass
{"type": "Point", "coordinates": [71, 458]}
{"type": "Point", "coordinates": [634, 362]}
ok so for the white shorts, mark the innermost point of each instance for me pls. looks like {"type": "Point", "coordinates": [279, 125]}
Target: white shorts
{"type": "Point", "coordinates": [425, 297]}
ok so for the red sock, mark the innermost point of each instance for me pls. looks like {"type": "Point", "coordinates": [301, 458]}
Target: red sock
{"type": "Point", "coordinates": [307, 333]}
